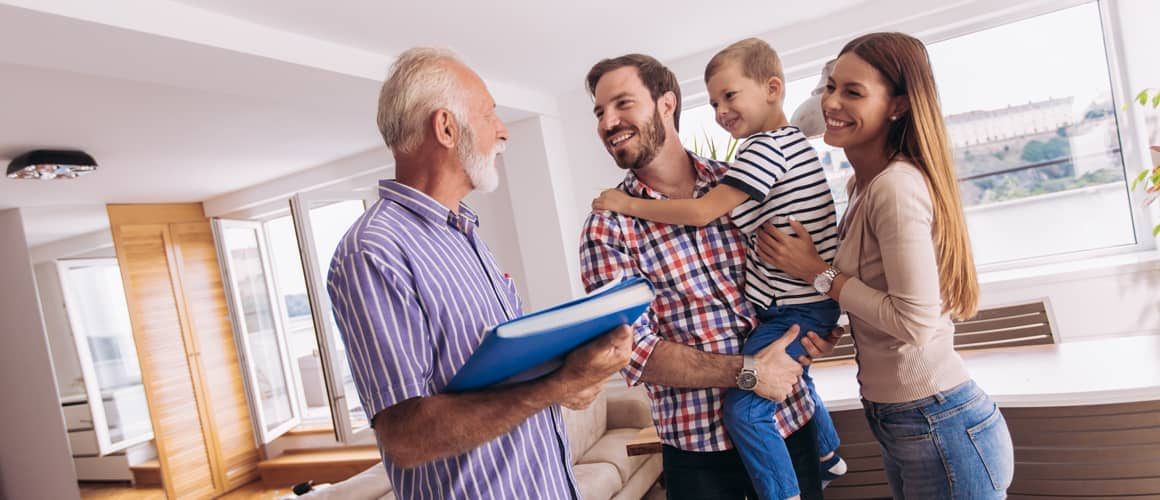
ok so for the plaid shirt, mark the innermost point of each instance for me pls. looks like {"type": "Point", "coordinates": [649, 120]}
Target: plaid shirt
{"type": "Point", "coordinates": [698, 274]}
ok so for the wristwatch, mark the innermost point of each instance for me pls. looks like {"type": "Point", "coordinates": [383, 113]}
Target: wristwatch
{"type": "Point", "coordinates": [747, 377]}
{"type": "Point", "coordinates": [824, 280]}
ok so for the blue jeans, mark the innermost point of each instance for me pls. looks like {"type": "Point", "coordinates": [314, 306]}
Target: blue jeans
{"type": "Point", "coordinates": [749, 417]}
{"type": "Point", "coordinates": [954, 444]}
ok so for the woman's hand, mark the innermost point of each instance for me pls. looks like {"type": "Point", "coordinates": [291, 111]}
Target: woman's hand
{"type": "Point", "coordinates": [793, 254]}
{"type": "Point", "coordinates": [611, 199]}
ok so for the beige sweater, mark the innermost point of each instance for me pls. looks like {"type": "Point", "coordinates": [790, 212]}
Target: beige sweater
{"type": "Point", "coordinates": [905, 343]}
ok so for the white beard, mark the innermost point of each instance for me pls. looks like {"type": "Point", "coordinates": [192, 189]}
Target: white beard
{"type": "Point", "coordinates": [481, 169]}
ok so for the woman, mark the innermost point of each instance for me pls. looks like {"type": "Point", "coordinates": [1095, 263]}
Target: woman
{"type": "Point", "coordinates": [902, 272]}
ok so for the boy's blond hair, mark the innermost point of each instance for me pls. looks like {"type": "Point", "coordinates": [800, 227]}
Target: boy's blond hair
{"type": "Point", "coordinates": [757, 60]}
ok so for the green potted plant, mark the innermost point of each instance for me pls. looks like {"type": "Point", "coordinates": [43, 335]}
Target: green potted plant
{"type": "Point", "coordinates": [709, 148]}
{"type": "Point", "coordinates": [1149, 178]}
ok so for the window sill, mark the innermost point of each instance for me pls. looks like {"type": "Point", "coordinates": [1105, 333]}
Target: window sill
{"type": "Point", "coordinates": [1041, 274]}
{"type": "Point", "coordinates": [308, 429]}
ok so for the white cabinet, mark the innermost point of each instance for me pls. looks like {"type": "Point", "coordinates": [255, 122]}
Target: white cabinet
{"type": "Point", "coordinates": [90, 464]}
{"type": "Point", "coordinates": [83, 442]}
{"type": "Point", "coordinates": [77, 417]}
{"type": "Point", "coordinates": [107, 468]}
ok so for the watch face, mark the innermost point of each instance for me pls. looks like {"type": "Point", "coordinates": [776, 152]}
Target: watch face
{"type": "Point", "coordinates": [822, 284]}
{"type": "Point", "coordinates": [747, 380]}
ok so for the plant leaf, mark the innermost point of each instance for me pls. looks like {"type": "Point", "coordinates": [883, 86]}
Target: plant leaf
{"type": "Point", "coordinates": [1156, 230]}
{"type": "Point", "coordinates": [1156, 100]}
{"type": "Point", "coordinates": [1139, 177]}
{"type": "Point", "coordinates": [1142, 97]}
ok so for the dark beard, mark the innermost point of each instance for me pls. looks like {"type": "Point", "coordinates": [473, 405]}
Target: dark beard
{"type": "Point", "coordinates": [652, 137]}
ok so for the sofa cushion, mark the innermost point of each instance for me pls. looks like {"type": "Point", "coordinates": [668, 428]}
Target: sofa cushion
{"type": "Point", "coordinates": [628, 407]}
{"type": "Point", "coordinates": [641, 484]}
{"type": "Point", "coordinates": [585, 426]}
{"type": "Point", "coordinates": [369, 484]}
{"type": "Point", "coordinates": [611, 449]}
{"type": "Point", "coordinates": [598, 481]}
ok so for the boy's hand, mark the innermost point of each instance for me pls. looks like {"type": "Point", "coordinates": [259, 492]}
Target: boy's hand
{"type": "Point", "coordinates": [817, 346]}
{"type": "Point", "coordinates": [611, 199]}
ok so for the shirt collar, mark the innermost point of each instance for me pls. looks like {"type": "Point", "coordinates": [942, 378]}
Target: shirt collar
{"type": "Point", "coordinates": [427, 208]}
{"type": "Point", "coordinates": [708, 173]}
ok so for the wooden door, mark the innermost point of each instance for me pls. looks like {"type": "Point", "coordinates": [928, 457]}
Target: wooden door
{"type": "Point", "coordinates": [189, 363]}
{"type": "Point", "coordinates": [228, 413]}
{"type": "Point", "coordinates": [154, 301]}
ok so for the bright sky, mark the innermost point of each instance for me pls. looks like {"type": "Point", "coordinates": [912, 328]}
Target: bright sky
{"type": "Point", "coordinates": [1055, 55]}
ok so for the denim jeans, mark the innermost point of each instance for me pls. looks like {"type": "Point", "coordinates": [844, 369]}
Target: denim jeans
{"type": "Point", "coordinates": [720, 475]}
{"type": "Point", "coordinates": [954, 444]}
{"type": "Point", "coordinates": [749, 417]}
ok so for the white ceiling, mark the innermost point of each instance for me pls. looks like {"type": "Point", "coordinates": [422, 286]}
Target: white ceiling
{"type": "Point", "coordinates": [187, 101]}
{"type": "Point", "coordinates": [542, 45]}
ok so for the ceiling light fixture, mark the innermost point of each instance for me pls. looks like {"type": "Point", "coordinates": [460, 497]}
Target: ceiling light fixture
{"type": "Point", "coordinates": [47, 164]}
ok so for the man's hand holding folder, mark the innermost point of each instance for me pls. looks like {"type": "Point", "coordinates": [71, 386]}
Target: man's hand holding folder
{"type": "Point", "coordinates": [587, 368]}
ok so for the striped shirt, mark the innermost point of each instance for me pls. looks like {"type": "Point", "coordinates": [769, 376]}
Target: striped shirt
{"type": "Point", "coordinates": [698, 274]}
{"type": "Point", "coordinates": [413, 289]}
{"type": "Point", "coordinates": [780, 172]}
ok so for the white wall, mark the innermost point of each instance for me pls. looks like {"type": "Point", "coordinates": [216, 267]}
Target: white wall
{"type": "Point", "coordinates": [537, 171]}
{"type": "Point", "coordinates": [1113, 296]}
{"type": "Point", "coordinates": [35, 461]}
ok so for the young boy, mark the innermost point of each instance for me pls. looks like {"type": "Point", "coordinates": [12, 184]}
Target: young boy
{"type": "Point", "coordinates": [776, 176]}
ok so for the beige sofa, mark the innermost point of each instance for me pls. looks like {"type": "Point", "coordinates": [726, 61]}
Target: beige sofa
{"type": "Point", "coordinates": [597, 435]}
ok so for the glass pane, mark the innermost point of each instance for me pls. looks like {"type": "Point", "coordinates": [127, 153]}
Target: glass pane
{"type": "Point", "coordinates": [329, 222]}
{"type": "Point", "coordinates": [264, 355]}
{"type": "Point", "coordinates": [1036, 145]}
{"type": "Point", "coordinates": [100, 316]}
{"type": "Point", "coordinates": [301, 341]}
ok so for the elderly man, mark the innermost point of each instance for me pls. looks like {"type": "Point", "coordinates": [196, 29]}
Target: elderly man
{"type": "Point", "coordinates": [414, 288]}
{"type": "Point", "coordinates": [687, 348]}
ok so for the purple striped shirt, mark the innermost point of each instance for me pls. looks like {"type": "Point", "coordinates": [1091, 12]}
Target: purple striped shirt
{"type": "Point", "coordinates": [413, 289]}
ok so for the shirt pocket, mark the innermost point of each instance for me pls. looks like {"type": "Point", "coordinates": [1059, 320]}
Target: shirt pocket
{"type": "Point", "coordinates": [512, 293]}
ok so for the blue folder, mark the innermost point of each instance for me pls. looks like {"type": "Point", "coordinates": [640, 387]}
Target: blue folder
{"type": "Point", "coordinates": [506, 359]}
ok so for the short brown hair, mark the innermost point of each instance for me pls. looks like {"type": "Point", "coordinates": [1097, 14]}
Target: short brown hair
{"type": "Point", "coordinates": [757, 60]}
{"type": "Point", "coordinates": [657, 78]}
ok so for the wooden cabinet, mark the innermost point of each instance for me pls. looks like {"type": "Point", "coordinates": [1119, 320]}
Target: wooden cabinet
{"type": "Point", "coordinates": [193, 382]}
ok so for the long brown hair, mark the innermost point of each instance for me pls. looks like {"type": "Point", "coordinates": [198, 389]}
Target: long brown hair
{"type": "Point", "coordinates": [920, 135]}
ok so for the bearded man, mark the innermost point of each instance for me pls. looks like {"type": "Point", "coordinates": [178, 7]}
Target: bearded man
{"type": "Point", "coordinates": [414, 288]}
{"type": "Point", "coordinates": [687, 348]}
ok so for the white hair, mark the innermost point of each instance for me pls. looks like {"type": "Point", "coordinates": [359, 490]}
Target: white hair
{"type": "Point", "coordinates": [418, 83]}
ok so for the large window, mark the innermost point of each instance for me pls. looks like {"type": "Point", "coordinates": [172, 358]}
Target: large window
{"type": "Point", "coordinates": [298, 374]}
{"type": "Point", "coordinates": [301, 342]}
{"type": "Point", "coordinates": [99, 318]}
{"type": "Point", "coordinates": [1032, 122]}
